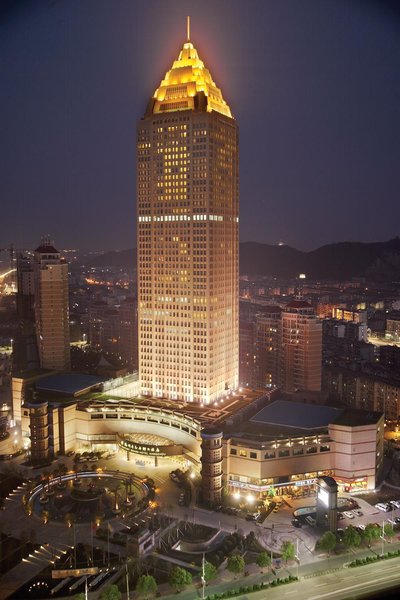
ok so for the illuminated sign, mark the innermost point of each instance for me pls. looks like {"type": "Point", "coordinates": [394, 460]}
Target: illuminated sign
{"type": "Point", "coordinates": [323, 496]}
{"type": "Point", "coordinates": [63, 573]}
{"type": "Point", "coordinates": [142, 448]}
{"type": "Point", "coordinates": [304, 482]}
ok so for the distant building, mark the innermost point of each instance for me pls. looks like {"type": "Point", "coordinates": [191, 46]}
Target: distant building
{"type": "Point", "coordinates": [366, 391]}
{"type": "Point", "coordinates": [113, 330]}
{"type": "Point", "coordinates": [280, 347]}
{"type": "Point", "coordinates": [393, 326]}
{"type": "Point", "coordinates": [128, 339]}
{"type": "Point", "coordinates": [25, 288]}
{"type": "Point", "coordinates": [301, 348]}
{"type": "Point", "coordinates": [268, 346]}
{"type": "Point", "coordinates": [51, 307]}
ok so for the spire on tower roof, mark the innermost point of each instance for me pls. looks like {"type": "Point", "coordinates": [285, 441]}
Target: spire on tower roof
{"type": "Point", "coordinates": [188, 85]}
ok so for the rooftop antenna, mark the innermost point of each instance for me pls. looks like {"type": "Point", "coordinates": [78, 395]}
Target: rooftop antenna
{"type": "Point", "coordinates": [188, 28]}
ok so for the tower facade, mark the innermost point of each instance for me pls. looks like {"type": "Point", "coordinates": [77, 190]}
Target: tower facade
{"type": "Point", "coordinates": [51, 307]}
{"type": "Point", "coordinates": [188, 224]}
{"type": "Point", "coordinates": [301, 348]}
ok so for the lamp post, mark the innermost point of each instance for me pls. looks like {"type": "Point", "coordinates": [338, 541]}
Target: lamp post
{"type": "Point", "coordinates": [203, 578]}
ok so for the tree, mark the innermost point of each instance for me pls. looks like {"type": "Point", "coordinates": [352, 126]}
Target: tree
{"type": "Point", "coordinates": [327, 542]}
{"type": "Point", "coordinates": [235, 564]}
{"type": "Point", "coordinates": [210, 571]}
{"type": "Point", "coordinates": [111, 593]}
{"type": "Point", "coordinates": [370, 533]}
{"type": "Point", "coordinates": [287, 551]}
{"type": "Point", "coordinates": [263, 560]}
{"type": "Point", "coordinates": [80, 596]}
{"type": "Point", "coordinates": [179, 578]}
{"type": "Point", "coordinates": [146, 585]}
{"type": "Point", "coordinates": [389, 530]}
{"type": "Point", "coordinates": [351, 539]}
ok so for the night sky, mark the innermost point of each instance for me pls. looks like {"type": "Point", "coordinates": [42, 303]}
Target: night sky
{"type": "Point", "coordinates": [314, 84]}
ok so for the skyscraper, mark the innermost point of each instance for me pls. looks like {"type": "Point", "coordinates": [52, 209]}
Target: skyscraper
{"type": "Point", "coordinates": [51, 307]}
{"type": "Point", "coordinates": [301, 348]}
{"type": "Point", "coordinates": [188, 214]}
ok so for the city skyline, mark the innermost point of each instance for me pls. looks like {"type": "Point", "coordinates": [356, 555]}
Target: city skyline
{"type": "Point", "coordinates": [314, 170]}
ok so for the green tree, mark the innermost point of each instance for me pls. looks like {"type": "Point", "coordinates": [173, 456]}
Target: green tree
{"type": "Point", "coordinates": [389, 530]}
{"type": "Point", "coordinates": [210, 571]}
{"type": "Point", "coordinates": [327, 542]}
{"type": "Point", "coordinates": [263, 559]}
{"type": "Point", "coordinates": [351, 539]}
{"type": "Point", "coordinates": [146, 585]}
{"type": "Point", "coordinates": [111, 593]}
{"type": "Point", "coordinates": [179, 578]}
{"type": "Point", "coordinates": [80, 596]}
{"type": "Point", "coordinates": [287, 551]}
{"type": "Point", "coordinates": [370, 533]}
{"type": "Point", "coordinates": [235, 564]}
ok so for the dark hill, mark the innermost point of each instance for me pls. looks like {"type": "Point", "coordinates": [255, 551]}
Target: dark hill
{"type": "Point", "coordinates": [378, 260]}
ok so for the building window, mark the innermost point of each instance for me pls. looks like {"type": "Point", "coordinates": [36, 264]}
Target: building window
{"type": "Point", "coordinates": [283, 453]}
{"type": "Point", "coordinates": [269, 455]}
{"type": "Point", "coordinates": [253, 454]}
{"type": "Point", "coordinates": [325, 449]}
{"type": "Point", "coordinates": [243, 453]}
{"type": "Point", "coordinates": [298, 451]}
{"type": "Point", "coordinates": [311, 450]}
{"type": "Point", "coordinates": [234, 451]}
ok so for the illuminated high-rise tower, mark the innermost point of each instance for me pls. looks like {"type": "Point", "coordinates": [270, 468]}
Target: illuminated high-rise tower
{"type": "Point", "coordinates": [51, 307]}
{"type": "Point", "coordinates": [188, 214]}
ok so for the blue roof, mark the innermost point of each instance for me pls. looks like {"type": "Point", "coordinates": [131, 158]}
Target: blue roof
{"type": "Point", "coordinates": [68, 384]}
{"type": "Point", "coordinates": [296, 414]}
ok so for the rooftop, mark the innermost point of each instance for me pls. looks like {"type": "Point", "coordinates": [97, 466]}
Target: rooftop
{"type": "Point", "coordinates": [297, 415]}
{"type": "Point", "coordinates": [352, 417]}
{"type": "Point", "coordinates": [68, 384]}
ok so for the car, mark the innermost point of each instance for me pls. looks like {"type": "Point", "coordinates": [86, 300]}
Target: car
{"type": "Point", "coordinates": [348, 514]}
{"type": "Point", "coordinates": [276, 508]}
{"type": "Point", "coordinates": [397, 520]}
{"type": "Point", "coordinates": [340, 516]}
{"type": "Point", "coordinates": [310, 521]}
{"type": "Point", "coordinates": [339, 534]}
{"type": "Point", "coordinates": [395, 503]}
{"type": "Point", "coordinates": [358, 513]}
{"type": "Point", "coordinates": [362, 526]}
{"type": "Point", "coordinates": [296, 523]}
{"type": "Point", "coordinates": [381, 506]}
{"type": "Point", "coordinates": [389, 507]}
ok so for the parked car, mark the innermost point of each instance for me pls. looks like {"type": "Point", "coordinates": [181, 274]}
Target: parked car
{"type": "Point", "coordinates": [296, 523]}
{"type": "Point", "coordinates": [395, 503]}
{"type": "Point", "coordinates": [358, 513]}
{"type": "Point", "coordinates": [340, 516]}
{"type": "Point", "coordinates": [348, 514]}
{"type": "Point", "coordinates": [382, 507]}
